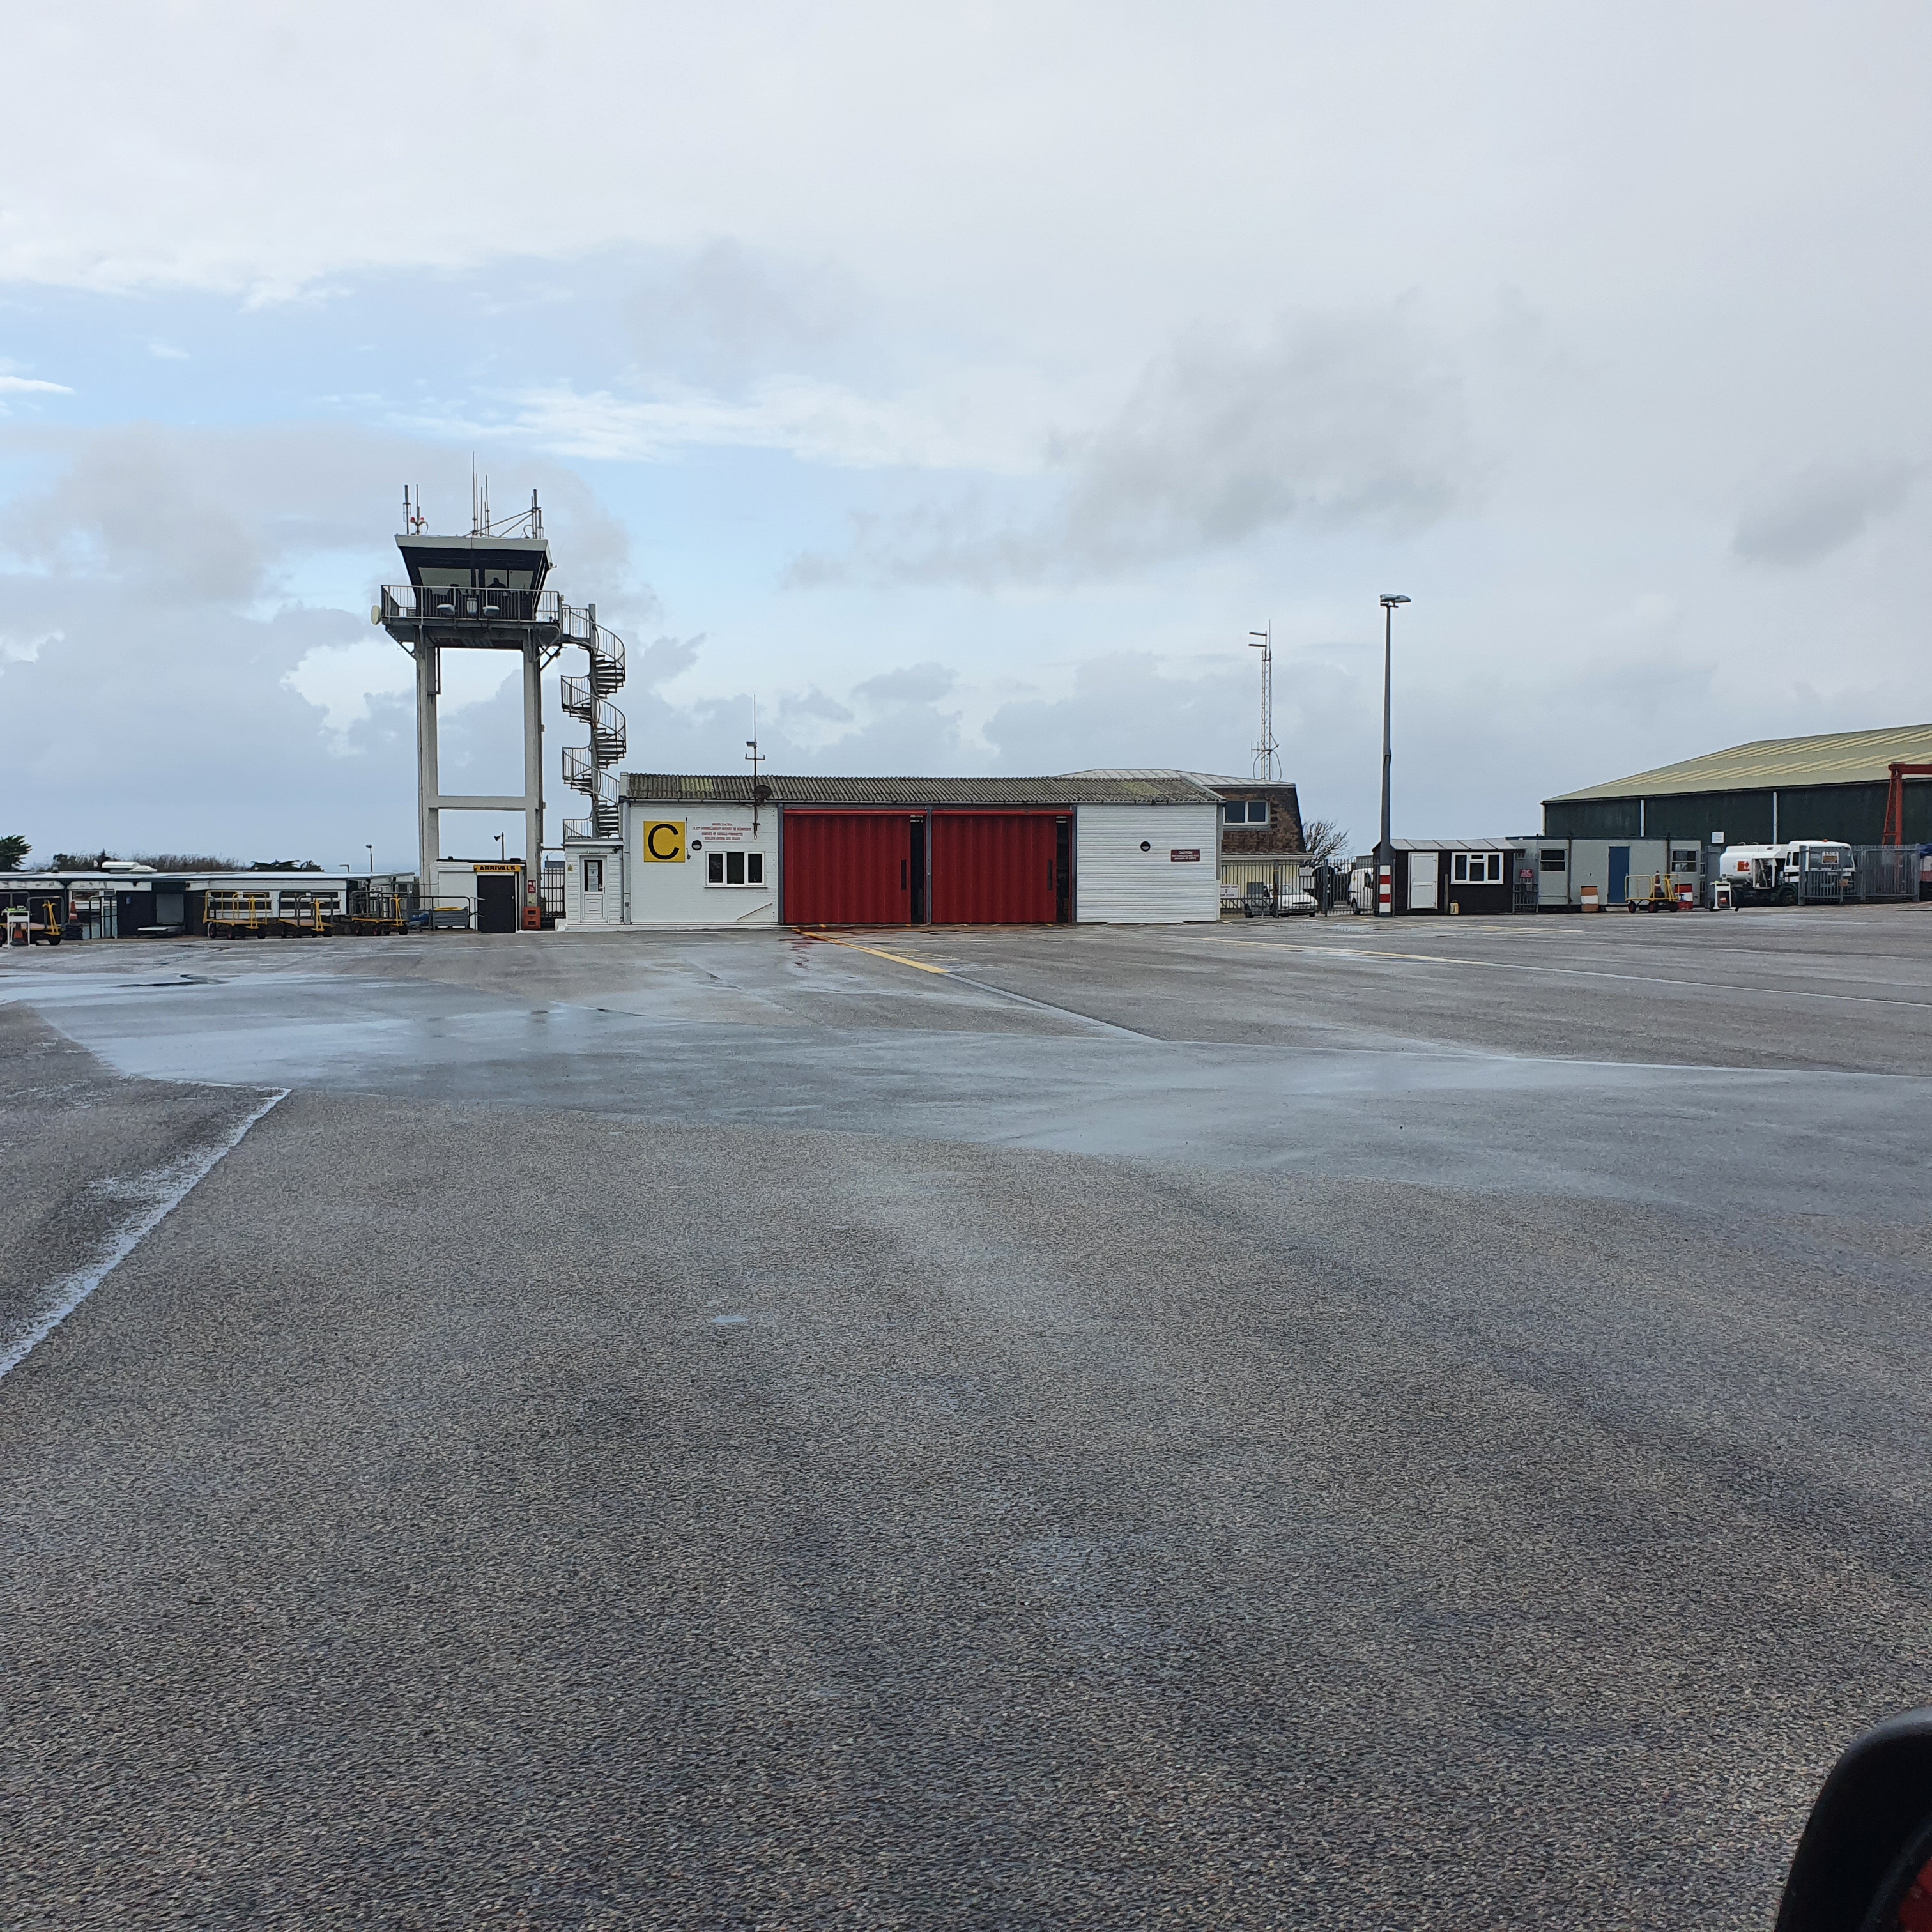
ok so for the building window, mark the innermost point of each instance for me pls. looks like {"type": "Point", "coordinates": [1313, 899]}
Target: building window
{"type": "Point", "coordinates": [593, 875]}
{"type": "Point", "coordinates": [1555, 859]}
{"type": "Point", "coordinates": [734, 868]}
{"type": "Point", "coordinates": [1245, 812]}
{"type": "Point", "coordinates": [1476, 868]}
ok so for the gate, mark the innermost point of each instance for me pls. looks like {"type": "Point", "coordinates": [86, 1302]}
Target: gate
{"type": "Point", "coordinates": [995, 868]}
{"type": "Point", "coordinates": [497, 902]}
{"type": "Point", "coordinates": [1884, 872]}
{"type": "Point", "coordinates": [847, 867]}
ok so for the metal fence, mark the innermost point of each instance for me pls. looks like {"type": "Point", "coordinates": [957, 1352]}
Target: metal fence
{"type": "Point", "coordinates": [1283, 884]}
{"type": "Point", "coordinates": [1281, 876]}
{"type": "Point", "coordinates": [1884, 872]}
{"type": "Point", "coordinates": [95, 913]}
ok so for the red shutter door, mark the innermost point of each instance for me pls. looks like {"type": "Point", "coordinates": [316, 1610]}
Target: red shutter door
{"type": "Point", "coordinates": [847, 867]}
{"type": "Point", "coordinates": [993, 868]}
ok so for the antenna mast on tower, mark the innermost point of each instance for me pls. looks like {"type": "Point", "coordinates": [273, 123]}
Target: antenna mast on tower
{"type": "Point", "coordinates": [1267, 753]}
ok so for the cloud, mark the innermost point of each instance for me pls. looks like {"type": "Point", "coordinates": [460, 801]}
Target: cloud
{"type": "Point", "coordinates": [725, 311]}
{"type": "Point", "coordinates": [1331, 421]}
{"type": "Point", "coordinates": [192, 738]}
{"type": "Point", "coordinates": [23, 386]}
{"type": "Point", "coordinates": [815, 704]}
{"type": "Point", "coordinates": [228, 517]}
{"type": "Point", "coordinates": [26, 650]}
{"type": "Point", "coordinates": [916, 684]}
{"type": "Point", "coordinates": [979, 418]}
{"type": "Point", "coordinates": [660, 662]}
{"type": "Point", "coordinates": [194, 514]}
{"type": "Point", "coordinates": [1127, 708]}
{"type": "Point", "coordinates": [340, 680]}
{"type": "Point", "coordinates": [1822, 509]}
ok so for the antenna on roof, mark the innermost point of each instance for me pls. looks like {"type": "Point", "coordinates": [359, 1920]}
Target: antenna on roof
{"type": "Point", "coordinates": [753, 758]}
{"type": "Point", "coordinates": [1267, 760]}
{"type": "Point", "coordinates": [474, 531]}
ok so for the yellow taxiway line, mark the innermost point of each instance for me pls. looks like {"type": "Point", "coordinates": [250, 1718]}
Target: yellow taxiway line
{"type": "Point", "coordinates": [880, 952]}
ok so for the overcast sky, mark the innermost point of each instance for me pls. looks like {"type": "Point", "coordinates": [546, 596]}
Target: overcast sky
{"type": "Point", "coordinates": [964, 382]}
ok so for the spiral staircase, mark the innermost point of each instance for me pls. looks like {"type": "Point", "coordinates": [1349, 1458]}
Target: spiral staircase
{"type": "Point", "coordinates": [589, 769]}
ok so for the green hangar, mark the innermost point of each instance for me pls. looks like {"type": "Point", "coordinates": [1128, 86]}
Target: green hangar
{"type": "Point", "coordinates": [1834, 786]}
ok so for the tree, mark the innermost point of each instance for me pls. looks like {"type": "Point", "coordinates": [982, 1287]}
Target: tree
{"type": "Point", "coordinates": [1323, 841]}
{"type": "Point", "coordinates": [13, 850]}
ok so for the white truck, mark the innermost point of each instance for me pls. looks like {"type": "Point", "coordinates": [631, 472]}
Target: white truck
{"type": "Point", "coordinates": [1806, 870]}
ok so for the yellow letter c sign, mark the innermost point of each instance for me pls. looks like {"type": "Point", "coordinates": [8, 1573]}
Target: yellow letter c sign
{"type": "Point", "coordinates": [663, 839]}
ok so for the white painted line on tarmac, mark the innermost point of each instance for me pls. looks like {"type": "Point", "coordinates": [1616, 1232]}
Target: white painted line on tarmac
{"type": "Point", "coordinates": [167, 1188]}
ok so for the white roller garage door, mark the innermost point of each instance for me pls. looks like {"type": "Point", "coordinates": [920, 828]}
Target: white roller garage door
{"type": "Point", "coordinates": [1146, 865]}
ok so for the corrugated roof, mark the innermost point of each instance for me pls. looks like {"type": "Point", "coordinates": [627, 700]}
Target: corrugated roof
{"type": "Point", "coordinates": [690, 787]}
{"type": "Point", "coordinates": [1211, 778]}
{"type": "Point", "coordinates": [1461, 844]}
{"type": "Point", "coordinates": [1831, 758]}
{"type": "Point", "coordinates": [694, 788]}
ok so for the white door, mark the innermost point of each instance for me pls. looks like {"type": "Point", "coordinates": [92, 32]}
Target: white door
{"type": "Point", "coordinates": [1423, 868]}
{"type": "Point", "coordinates": [1146, 865]}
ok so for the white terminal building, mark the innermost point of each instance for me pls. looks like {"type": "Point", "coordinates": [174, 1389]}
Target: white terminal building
{"type": "Point", "coordinates": [691, 850]}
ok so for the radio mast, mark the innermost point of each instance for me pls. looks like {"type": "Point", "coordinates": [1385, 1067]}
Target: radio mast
{"type": "Point", "coordinates": [1267, 753]}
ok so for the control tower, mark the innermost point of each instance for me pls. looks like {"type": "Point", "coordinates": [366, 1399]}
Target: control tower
{"type": "Point", "coordinates": [485, 591]}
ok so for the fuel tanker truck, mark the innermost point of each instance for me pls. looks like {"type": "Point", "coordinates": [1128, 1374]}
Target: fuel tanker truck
{"type": "Point", "coordinates": [1806, 871]}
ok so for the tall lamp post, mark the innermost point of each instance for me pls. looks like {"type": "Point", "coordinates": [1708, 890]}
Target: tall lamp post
{"type": "Point", "coordinates": [1385, 852]}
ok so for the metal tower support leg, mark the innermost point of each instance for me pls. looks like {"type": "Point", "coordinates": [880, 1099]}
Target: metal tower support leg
{"type": "Point", "coordinates": [429, 819]}
{"type": "Point", "coordinates": [532, 766]}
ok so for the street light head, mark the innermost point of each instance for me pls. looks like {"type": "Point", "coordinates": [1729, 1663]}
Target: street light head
{"type": "Point", "coordinates": [1389, 601]}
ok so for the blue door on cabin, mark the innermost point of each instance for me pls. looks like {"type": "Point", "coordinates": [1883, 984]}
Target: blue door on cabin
{"type": "Point", "coordinates": [1619, 874]}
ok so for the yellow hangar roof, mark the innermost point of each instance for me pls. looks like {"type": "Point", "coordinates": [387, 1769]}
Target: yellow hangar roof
{"type": "Point", "coordinates": [1832, 757]}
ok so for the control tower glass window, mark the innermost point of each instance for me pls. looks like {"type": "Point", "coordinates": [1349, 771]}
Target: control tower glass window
{"type": "Point", "coordinates": [475, 564]}
{"type": "Point", "coordinates": [462, 577]}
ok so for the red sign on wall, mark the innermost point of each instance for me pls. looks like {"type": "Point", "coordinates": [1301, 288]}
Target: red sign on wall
{"type": "Point", "coordinates": [1179, 857]}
